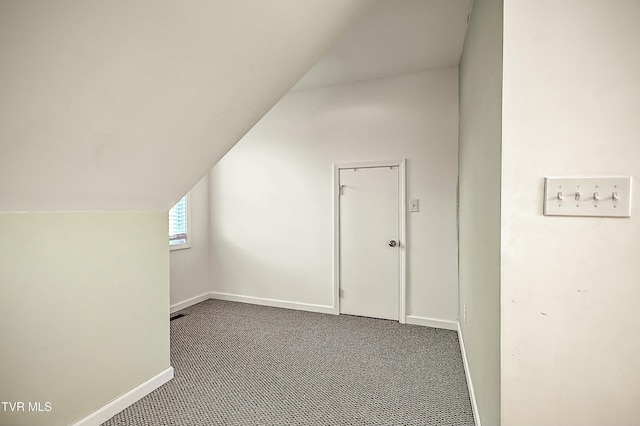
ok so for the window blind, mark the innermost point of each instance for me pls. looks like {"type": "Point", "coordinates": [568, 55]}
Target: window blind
{"type": "Point", "coordinates": [178, 223]}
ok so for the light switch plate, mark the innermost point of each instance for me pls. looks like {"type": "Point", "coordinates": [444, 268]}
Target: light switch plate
{"type": "Point", "coordinates": [588, 196]}
{"type": "Point", "coordinates": [414, 205]}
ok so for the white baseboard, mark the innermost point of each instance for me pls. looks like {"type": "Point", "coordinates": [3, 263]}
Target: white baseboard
{"type": "Point", "coordinates": [472, 395]}
{"type": "Point", "coordinates": [323, 309]}
{"type": "Point", "coordinates": [114, 407]}
{"type": "Point", "coordinates": [430, 322]}
{"type": "Point", "coordinates": [186, 303]}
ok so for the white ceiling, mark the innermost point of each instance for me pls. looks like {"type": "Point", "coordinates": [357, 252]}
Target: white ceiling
{"type": "Point", "coordinates": [124, 105]}
{"type": "Point", "coordinates": [394, 37]}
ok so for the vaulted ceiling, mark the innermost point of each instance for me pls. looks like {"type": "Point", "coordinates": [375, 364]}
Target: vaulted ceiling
{"type": "Point", "coordinates": [124, 104]}
{"type": "Point", "coordinates": [394, 37]}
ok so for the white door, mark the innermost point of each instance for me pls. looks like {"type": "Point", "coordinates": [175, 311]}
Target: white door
{"type": "Point", "coordinates": [369, 246]}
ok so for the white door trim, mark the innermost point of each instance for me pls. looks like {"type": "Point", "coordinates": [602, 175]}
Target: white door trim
{"type": "Point", "coordinates": [402, 208]}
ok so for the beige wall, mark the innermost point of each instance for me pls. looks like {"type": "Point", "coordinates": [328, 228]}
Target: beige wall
{"type": "Point", "coordinates": [570, 286]}
{"type": "Point", "coordinates": [85, 310]}
{"type": "Point", "coordinates": [272, 194]}
{"type": "Point", "coordinates": [479, 203]}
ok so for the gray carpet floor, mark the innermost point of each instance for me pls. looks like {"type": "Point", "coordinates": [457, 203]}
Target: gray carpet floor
{"type": "Point", "coordinates": [241, 364]}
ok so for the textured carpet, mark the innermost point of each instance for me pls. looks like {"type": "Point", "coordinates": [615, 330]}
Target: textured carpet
{"type": "Point", "coordinates": [241, 364]}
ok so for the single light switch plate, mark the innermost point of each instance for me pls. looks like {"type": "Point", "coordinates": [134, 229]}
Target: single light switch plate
{"type": "Point", "coordinates": [589, 196]}
{"type": "Point", "coordinates": [414, 205]}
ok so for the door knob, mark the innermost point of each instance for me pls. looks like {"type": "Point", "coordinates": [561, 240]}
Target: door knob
{"type": "Point", "coordinates": [393, 243]}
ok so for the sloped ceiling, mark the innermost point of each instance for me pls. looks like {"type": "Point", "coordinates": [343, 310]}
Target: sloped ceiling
{"type": "Point", "coordinates": [394, 37]}
{"type": "Point", "coordinates": [124, 104]}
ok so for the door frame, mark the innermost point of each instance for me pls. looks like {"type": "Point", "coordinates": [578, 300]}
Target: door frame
{"type": "Point", "coordinates": [402, 209]}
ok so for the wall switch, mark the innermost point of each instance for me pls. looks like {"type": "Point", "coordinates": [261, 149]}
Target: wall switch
{"type": "Point", "coordinates": [414, 205]}
{"type": "Point", "coordinates": [591, 196]}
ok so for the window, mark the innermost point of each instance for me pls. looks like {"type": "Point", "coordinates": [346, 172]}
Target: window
{"type": "Point", "coordinates": [178, 225]}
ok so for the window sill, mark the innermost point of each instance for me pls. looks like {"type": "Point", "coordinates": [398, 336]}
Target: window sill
{"type": "Point", "coordinates": [179, 246]}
